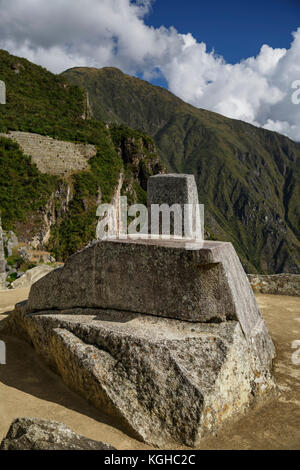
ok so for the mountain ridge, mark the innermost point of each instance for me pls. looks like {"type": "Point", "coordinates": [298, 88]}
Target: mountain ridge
{"type": "Point", "coordinates": [32, 202]}
{"type": "Point", "coordinates": [247, 177]}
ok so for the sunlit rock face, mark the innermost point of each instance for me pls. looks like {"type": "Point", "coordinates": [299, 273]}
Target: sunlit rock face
{"type": "Point", "coordinates": [164, 335]}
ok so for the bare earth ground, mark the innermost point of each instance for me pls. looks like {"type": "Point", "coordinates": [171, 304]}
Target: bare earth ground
{"type": "Point", "coordinates": [27, 388]}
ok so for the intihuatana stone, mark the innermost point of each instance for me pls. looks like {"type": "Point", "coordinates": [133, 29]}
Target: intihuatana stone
{"type": "Point", "coordinates": [175, 190]}
{"type": "Point", "coordinates": [172, 189]}
{"type": "Point", "coordinates": [166, 381]}
{"type": "Point", "coordinates": [197, 282]}
{"type": "Point", "coordinates": [165, 336]}
{"type": "Point", "coordinates": [39, 434]}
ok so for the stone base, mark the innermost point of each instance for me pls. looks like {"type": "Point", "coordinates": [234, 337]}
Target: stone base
{"type": "Point", "coordinates": [191, 281]}
{"type": "Point", "coordinates": [167, 381]}
{"type": "Point", "coordinates": [164, 335]}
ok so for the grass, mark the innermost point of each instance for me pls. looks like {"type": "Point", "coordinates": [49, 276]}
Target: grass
{"type": "Point", "coordinates": [41, 102]}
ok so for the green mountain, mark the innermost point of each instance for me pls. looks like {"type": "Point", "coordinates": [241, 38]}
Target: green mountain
{"type": "Point", "coordinates": [248, 178]}
{"type": "Point", "coordinates": [32, 202]}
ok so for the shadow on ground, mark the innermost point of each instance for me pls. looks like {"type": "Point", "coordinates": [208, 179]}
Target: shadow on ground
{"type": "Point", "coordinates": [28, 388]}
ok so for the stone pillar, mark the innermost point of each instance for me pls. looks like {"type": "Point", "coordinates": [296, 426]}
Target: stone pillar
{"type": "Point", "coordinates": [174, 197]}
{"type": "Point", "coordinates": [2, 262]}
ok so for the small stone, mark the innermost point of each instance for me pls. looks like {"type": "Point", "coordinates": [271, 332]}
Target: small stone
{"type": "Point", "coordinates": [31, 276]}
{"type": "Point", "coordinates": [38, 434]}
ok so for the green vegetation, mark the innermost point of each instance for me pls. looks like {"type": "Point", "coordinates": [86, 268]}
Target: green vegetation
{"type": "Point", "coordinates": [40, 102]}
{"type": "Point", "coordinates": [140, 161]}
{"type": "Point", "coordinates": [16, 261]}
{"type": "Point", "coordinates": [24, 190]}
{"type": "Point", "coordinates": [122, 150]}
{"type": "Point", "coordinates": [11, 277]}
{"type": "Point", "coordinates": [43, 103]}
{"type": "Point", "coordinates": [78, 227]}
{"type": "Point", "coordinates": [248, 178]}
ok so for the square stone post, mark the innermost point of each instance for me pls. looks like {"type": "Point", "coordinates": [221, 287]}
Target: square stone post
{"type": "Point", "coordinates": [174, 207]}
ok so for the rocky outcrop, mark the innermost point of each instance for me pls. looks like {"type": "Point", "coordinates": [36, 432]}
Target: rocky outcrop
{"type": "Point", "coordinates": [54, 157]}
{"type": "Point", "coordinates": [165, 336]}
{"type": "Point", "coordinates": [140, 159]}
{"type": "Point", "coordinates": [38, 434]}
{"type": "Point", "coordinates": [165, 380]}
{"type": "Point", "coordinates": [10, 242]}
{"type": "Point", "coordinates": [196, 282]}
{"type": "Point", "coordinates": [31, 276]}
{"type": "Point", "coordinates": [36, 229]}
{"type": "Point", "coordinates": [277, 284]}
{"type": "Point", "coordinates": [56, 208]}
{"type": "Point", "coordinates": [238, 167]}
{"type": "Point", "coordinates": [114, 219]}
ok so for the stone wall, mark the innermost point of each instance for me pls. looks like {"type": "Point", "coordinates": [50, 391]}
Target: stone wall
{"type": "Point", "coordinates": [52, 156]}
{"type": "Point", "coordinates": [277, 284]}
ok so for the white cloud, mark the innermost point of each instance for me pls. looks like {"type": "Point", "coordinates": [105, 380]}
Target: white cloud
{"type": "Point", "coordinates": [65, 33]}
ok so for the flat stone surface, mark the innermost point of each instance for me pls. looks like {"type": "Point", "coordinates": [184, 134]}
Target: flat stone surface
{"type": "Point", "coordinates": [172, 189]}
{"type": "Point", "coordinates": [165, 278]}
{"type": "Point", "coordinates": [197, 282]}
{"type": "Point", "coordinates": [165, 380]}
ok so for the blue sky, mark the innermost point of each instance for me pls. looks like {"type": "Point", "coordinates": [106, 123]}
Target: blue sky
{"type": "Point", "coordinates": [236, 29]}
{"type": "Point", "coordinates": [251, 75]}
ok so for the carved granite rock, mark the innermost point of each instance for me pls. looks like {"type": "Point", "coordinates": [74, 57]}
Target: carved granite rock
{"type": "Point", "coordinates": [197, 282]}
{"type": "Point", "coordinates": [38, 434]}
{"type": "Point", "coordinates": [178, 189]}
{"type": "Point", "coordinates": [165, 336]}
{"type": "Point", "coordinates": [165, 380]}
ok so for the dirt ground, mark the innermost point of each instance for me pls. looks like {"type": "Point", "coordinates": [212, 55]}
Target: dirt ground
{"type": "Point", "coordinates": [9, 298]}
{"type": "Point", "coordinates": [27, 388]}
